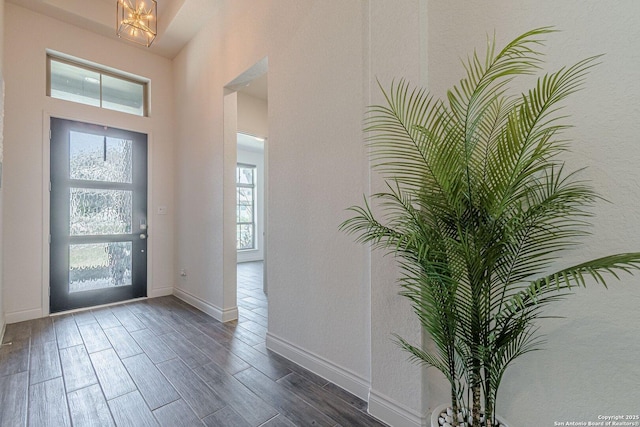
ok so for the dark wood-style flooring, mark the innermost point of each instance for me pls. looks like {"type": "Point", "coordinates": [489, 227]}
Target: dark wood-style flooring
{"type": "Point", "coordinates": [162, 362]}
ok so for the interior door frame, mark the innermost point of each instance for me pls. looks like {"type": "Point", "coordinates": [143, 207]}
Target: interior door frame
{"type": "Point", "coordinates": [86, 117]}
{"type": "Point", "coordinates": [230, 149]}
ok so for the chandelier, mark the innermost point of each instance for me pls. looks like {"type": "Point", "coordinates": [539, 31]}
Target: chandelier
{"type": "Point", "coordinates": [137, 20]}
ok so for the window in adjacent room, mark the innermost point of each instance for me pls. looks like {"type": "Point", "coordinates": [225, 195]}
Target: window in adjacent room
{"type": "Point", "coordinates": [85, 84]}
{"type": "Point", "coordinates": [245, 206]}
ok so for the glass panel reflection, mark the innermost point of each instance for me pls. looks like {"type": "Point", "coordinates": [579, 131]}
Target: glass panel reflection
{"type": "Point", "coordinates": [100, 212]}
{"type": "Point", "coordinates": [96, 158]}
{"type": "Point", "coordinates": [99, 265]}
{"type": "Point", "coordinates": [75, 84]}
{"type": "Point", "coordinates": [122, 95]}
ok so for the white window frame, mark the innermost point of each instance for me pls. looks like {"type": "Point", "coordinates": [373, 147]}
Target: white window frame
{"type": "Point", "coordinates": [254, 218]}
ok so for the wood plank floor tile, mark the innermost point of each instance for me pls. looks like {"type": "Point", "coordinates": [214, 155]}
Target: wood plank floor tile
{"type": "Point", "coordinates": [129, 320]}
{"type": "Point", "coordinates": [154, 323]}
{"type": "Point", "coordinates": [67, 332]}
{"type": "Point", "coordinates": [135, 375]}
{"type": "Point", "coordinates": [253, 409]}
{"type": "Point", "coordinates": [214, 331]}
{"type": "Point", "coordinates": [157, 350]}
{"type": "Point", "coordinates": [94, 337]}
{"type": "Point", "coordinates": [17, 331]}
{"type": "Point", "coordinates": [129, 410]}
{"type": "Point", "coordinates": [308, 375]}
{"type": "Point", "coordinates": [84, 317]}
{"type": "Point", "coordinates": [45, 362]}
{"type": "Point", "coordinates": [247, 303]}
{"type": "Point", "coordinates": [288, 404]}
{"type": "Point", "coordinates": [139, 307]}
{"type": "Point", "coordinates": [105, 318]}
{"type": "Point", "coordinates": [193, 390]}
{"type": "Point", "coordinates": [219, 354]}
{"type": "Point", "coordinates": [254, 327]}
{"type": "Point", "coordinates": [42, 331]}
{"type": "Point", "coordinates": [122, 342]}
{"type": "Point", "coordinates": [89, 408]}
{"type": "Point", "coordinates": [266, 364]}
{"type": "Point", "coordinates": [352, 400]}
{"type": "Point", "coordinates": [112, 375]}
{"type": "Point", "coordinates": [177, 414]}
{"type": "Point", "coordinates": [243, 292]}
{"type": "Point", "coordinates": [189, 353]}
{"type": "Point", "coordinates": [77, 369]}
{"type": "Point", "coordinates": [14, 356]}
{"type": "Point", "coordinates": [48, 404]}
{"type": "Point", "coordinates": [245, 314]}
{"type": "Point", "coordinates": [225, 417]}
{"type": "Point", "coordinates": [259, 301]}
{"type": "Point", "coordinates": [13, 399]}
{"type": "Point", "coordinates": [262, 348]}
{"type": "Point", "coordinates": [279, 421]}
{"type": "Point", "coordinates": [191, 313]}
{"type": "Point", "coordinates": [153, 386]}
{"type": "Point", "coordinates": [262, 311]}
{"type": "Point", "coordinates": [241, 333]}
{"type": "Point", "coordinates": [321, 399]}
{"type": "Point", "coordinates": [183, 327]}
{"type": "Point", "coordinates": [183, 310]}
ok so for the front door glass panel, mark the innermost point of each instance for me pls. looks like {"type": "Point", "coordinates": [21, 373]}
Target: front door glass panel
{"type": "Point", "coordinates": [100, 212]}
{"type": "Point", "coordinates": [99, 265]}
{"type": "Point", "coordinates": [99, 158]}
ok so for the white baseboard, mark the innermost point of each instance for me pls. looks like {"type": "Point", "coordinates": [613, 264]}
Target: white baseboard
{"type": "Point", "coordinates": [2, 329]}
{"type": "Point", "coordinates": [394, 413]}
{"type": "Point", "coordinates": [21, 316]}
{"type": "Point", "coordinates": [217, 313]}
{"type": "Point", "coordinates": [161, 292]}
{"type": "Point", "coordinates": [328, 370]}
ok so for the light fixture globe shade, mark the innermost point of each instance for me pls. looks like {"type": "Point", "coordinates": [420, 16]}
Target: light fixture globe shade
{"type": "Point", "coordinates": [137, 20]}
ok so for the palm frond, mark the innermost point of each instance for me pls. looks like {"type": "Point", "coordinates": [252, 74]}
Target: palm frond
{"type": "Point", "coordinates": [572, 277]}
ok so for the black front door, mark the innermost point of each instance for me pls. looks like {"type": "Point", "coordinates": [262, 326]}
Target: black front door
{"type": "Point", "coordinates": [98, 250]}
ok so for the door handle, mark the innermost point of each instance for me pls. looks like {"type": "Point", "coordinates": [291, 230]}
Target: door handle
{"type": "Point", "coordinates": [143, 236]}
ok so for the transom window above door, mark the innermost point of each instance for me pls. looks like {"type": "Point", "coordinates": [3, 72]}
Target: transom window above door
{"type": "Point", "coordinates": [90, 85]}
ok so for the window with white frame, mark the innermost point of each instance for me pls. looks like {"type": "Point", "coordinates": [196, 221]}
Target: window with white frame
{"type": "Point", "coordinates": [85, 84]}
{"type": "Point", "coordinates": [245, 206]}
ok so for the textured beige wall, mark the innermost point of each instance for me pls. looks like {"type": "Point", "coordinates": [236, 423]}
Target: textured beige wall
{"type": "Point", "coordinates": [324, 58]}
{"type": "Point", "coordinates": [318, 293]}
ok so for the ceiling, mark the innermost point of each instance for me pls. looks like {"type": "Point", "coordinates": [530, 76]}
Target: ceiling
{"type": "Point", "coordinates": [178, 20]}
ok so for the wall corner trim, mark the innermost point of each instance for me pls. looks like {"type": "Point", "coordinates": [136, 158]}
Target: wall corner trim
{"type": "Point", "coordinates": [328, 370]}
{"type": "Point", "coordinates": [393, 413]}
{"type": "Point", "coordinates": [222, 315]}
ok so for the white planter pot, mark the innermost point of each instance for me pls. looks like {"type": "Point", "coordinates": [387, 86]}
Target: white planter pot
{"type": "Point", "coordinates": [442, 408]}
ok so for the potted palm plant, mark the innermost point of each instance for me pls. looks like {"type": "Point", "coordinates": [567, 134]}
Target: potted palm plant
{"type": "Point", "coordinates": [478, 207]}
